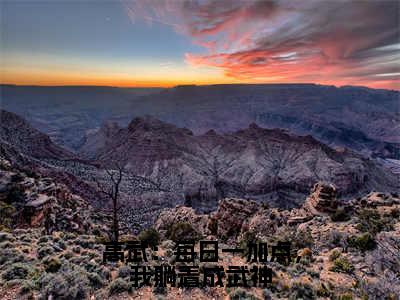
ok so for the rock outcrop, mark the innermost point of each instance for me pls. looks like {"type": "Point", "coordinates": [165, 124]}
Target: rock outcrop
{"type": "Point", "coordinates": [322, 199]}
{"type": "Point", "coordinates": [181, 214]}
{"type": "Point", "coordinates": [41, 202]}
{"type": "Point", "coordinates": [231, 215]}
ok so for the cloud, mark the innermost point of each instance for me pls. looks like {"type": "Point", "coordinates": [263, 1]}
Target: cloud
{"type": "Point", "coordinates": [338, 42]}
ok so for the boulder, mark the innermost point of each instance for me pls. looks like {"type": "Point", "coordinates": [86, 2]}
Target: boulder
{"type": "Point", "coordinates": [322, 199]}
{"type": "Point", "coordinates": [231, 215]}
{"type": "Point", "coordinates": [39, 201]}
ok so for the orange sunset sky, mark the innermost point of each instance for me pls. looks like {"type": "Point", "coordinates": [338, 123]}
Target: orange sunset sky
{"type": "Point", "coordinates": [167, 43]}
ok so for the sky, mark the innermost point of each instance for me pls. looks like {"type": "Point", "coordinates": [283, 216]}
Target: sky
{"type": "Point", "coordinates": [167, 43]}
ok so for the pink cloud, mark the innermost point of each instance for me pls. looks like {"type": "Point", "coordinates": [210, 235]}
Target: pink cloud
{"type": "Point", "coordinates": [335, 42]}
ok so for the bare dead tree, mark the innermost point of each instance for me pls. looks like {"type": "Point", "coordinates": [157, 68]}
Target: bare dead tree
{"type": "Point", "coordinates": [112, 191]}
{"type": "Point", "coordinates": [122, 184]}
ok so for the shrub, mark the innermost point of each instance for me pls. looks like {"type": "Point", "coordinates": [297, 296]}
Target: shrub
{"type": "Point", "coordinates": [35, 275]}
{"type": "Point", "coordinates": [79, 260]}
{"type": "Point", "coordinates": [241, 294]}
{"type": "Point", "coordinates": [346, 297]}
{"type": "Point", "coordinates": [334, 255]}
{"type": "Point", "coordinates": [301, 290]}
{"type": "Point", "coordinates": [340, 215]}
{"type": "Point", "coordinates": [96, 230]}
{"type": "Point", "coordinates": [70, 236]}
{"type": "Point", "coordinates": [105, 273]}
{"type": "Point", "coordinates": [267, 294]}
{"type": "Point", "coordinates": [67, 255]}
{"type": "Point", "coordinates": [27, 286]}
{"type": "Point", "coordinates": [296, 269]}
{"type": "Point", "coordinates": [98, 260]}
{"type": "Point", "coordinates": [323, 291]}
{"type": "Point", "coordinates": [13, 283]}
{"type": "Point", "coordinates": [124, 271]}
{"type": "Point", "coordinates": [95, 280]}
{"type": "Point", "coordinates": [337, 239]}
{"type": "Point", "coordinates": [6, 245]}
{"type": "Point", "coordinates": [7, 212]}
{"type": "Point", "coordinates": [45, 251]}
{"type": "Point", "coordinates": [4, 228]}
{"type": "Point", "coordinates": [342, 265]}
{"type": "Point", "coordinates": [26, 238]}
{"type": "Point", "coordinates": [182, 231]}
{"type": "Point", "coordinates": [265, 205]}
{"type": "Point", "coordinates": [52, 265]}
{"type": "Point", "coordinates": [395, 213]}
{"type": "Point", "coordinates": [70, 283]}
{"type": "Point", "coordinates": [10, 256]}
{"type": "Point", "coordinates": [101, 240]}
{"type": "Point", "coordinates": [248, 237]}
{"type": "Point", "coordinates": [363, 242]}
{"type": "Point", "coordinates": [303, 239]}
{"type": "Point", "coordinates": [43, 239]}
{"type": "Point", "coordinates": [93, 266]}
{"type": "Point", "coordinates": [92, 254]}
{"type": "Point", "coordinates": [150, 237]}
{"type": "Point", "coordinates": [85, 243]}
{"type": "Point", "coordinates": [213, 226]}
{"type": "Point", "coordinates": [76, 249]}
{"type": "Point", "coordinates": [371, 221]}
{"type": "Point", "coordinates": [313, 273]}
{"type": "Point", "coordinates": [16, 271]}
{"type": "Point", "coordinates": [4, 236]}
{"type": "Point", "coordinates": [160, 291]}
{"type": "Point", "coordinates": [299, 238]}
{"type": "Point", "coordinates": [118, 286]}
{"type": "Point", "coordinates": [61, 245]}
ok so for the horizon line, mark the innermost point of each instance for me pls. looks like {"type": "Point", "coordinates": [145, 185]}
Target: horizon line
{"type": "Point", "coordinates": [197, 85]}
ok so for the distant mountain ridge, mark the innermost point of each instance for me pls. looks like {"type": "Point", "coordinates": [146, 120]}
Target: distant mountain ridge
{"type": "Point", "coordinates": [363, 119]}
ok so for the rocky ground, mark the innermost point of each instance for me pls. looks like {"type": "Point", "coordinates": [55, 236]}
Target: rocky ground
{"type": "Point", "coordinates": [51, 245]}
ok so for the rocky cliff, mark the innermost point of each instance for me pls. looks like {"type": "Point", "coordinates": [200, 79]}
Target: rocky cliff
{"type": "Point", "coordinates": [263, 164]}
{"type": "Point", "coordinates": [18, 133]}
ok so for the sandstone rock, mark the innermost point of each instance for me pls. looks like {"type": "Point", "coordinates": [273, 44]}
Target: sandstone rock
{"type": "Point", "coordinates": [264, 222]}
{"type": "Point", "coordinates": [322, 199]}
{"type": "Point", "coordinates": [375, 199]}
{"type": "Point", "coordinates": [169, 217]}
{"type": "Point", "coordinates": [298, 220]}
{"type": "Point", "coordinates": [47, 202]}
{"type": "Point", "coordinates": [39, 201]}
{"type": "Point", "coordinates": [231, 215]}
